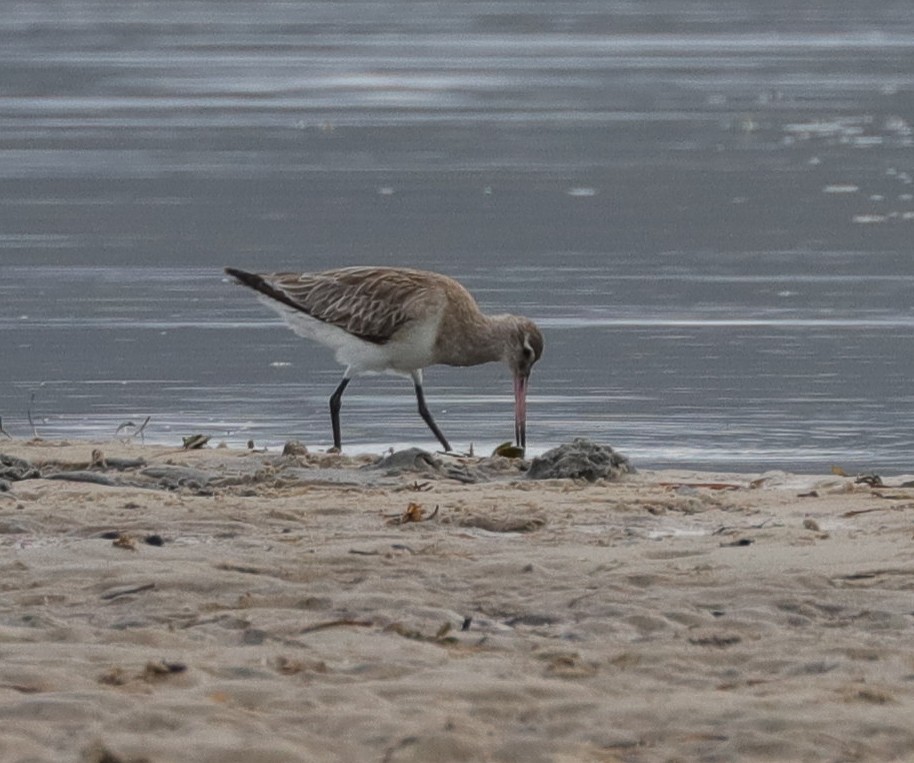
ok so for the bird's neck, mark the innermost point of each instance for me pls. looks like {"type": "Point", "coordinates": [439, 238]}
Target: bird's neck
{"type": "Point", "coordinates": [479, 339]}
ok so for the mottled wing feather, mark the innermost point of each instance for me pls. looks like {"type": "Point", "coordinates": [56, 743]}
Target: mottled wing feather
{"type": "Point", "coordinates": [370, 303]}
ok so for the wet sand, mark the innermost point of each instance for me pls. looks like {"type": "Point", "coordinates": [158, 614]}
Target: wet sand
{"type": "Point", "coordinates": [226, 605]}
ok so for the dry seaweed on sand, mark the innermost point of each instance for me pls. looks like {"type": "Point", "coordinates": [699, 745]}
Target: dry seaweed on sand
{"type": "Point", "coordinates": [413, 513]}
{"type": "Point", "coordinates": [153, 672]}
{"type": "Point", "coordinates": [194, 441]}
{"type": "Point", "coordinates": [580, 459]}
{"type": "Point", "coordinates": [14, 469]}
{"type": "Point", "coordinates": [125, 541]}
{"type": "Point", "coordinates": [415, 487]}
{"type": "Point", "coordinates": [293, 448]}
{"type": "Point", "coordinates": [157, 670]}
{"type": "Point", "coordinates": [508, 450]}
{"type": "Point", "coordinates": [440, 636]}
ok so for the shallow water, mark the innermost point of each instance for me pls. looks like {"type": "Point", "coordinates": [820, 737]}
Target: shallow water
{"type": "Point", "coordinates": [709, 214]}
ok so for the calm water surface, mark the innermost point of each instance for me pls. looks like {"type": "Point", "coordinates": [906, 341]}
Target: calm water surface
{"type": "Point", "coordinates": [710, 214]}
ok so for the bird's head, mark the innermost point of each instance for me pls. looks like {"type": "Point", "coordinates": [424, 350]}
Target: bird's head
{"type": "Point", "coordinates": [524, 346]}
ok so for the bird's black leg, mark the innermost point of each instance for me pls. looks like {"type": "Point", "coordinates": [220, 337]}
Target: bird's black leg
{"type": "Point", "coordinates": [520, 434]}
{"type": "Point", "coordinates": [336, 400]}
{"type": "Point", "coordinates": [426, 415]}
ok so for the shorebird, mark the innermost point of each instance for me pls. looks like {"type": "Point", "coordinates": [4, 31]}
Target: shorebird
{"type": "Point", "coordinates": [398, 320]}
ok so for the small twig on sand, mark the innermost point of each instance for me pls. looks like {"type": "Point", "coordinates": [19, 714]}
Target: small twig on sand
{"type": "Point", "coordinates": [28, 413]}
{"type": "Point", "coordinates": [857, 512]}
{"type": "Point", "coordinates": [138, 431]}
{"type": "Point", "coordinates": [3, 431]}
{"type": "Point", "coordinates": [706, 485]}
{"type": "Point", "coordinates": [337, 624]}
{"type": "Point", "coordinates": [730, 528]}
{"type": "Point", "coordinates": [118, 592]}
{"type": "Point", "coordinates": [141, 430]}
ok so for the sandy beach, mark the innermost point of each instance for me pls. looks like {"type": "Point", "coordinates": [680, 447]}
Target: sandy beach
{"type": "Point", "coordinates": [229, 605]}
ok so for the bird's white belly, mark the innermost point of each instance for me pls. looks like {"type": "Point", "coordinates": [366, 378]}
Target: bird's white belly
{"type": "Point", "coordinates": [411, 348]}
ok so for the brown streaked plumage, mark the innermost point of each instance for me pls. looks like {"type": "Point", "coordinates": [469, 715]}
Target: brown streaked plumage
{"type": "Point", "coordinates": [399, 320]}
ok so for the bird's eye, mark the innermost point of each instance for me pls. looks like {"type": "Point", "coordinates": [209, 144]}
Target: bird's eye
{"type": "Point", "coordinates": [529, 354]}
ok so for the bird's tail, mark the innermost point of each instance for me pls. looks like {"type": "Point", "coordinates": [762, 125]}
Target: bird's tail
{"type": "Point", "coordinates": [248, 279]}
{"type": "Point", "coordinates": [264, 286]}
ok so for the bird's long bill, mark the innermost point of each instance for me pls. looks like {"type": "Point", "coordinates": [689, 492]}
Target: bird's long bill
{"type": "Point", "coordinates": [520, 410]}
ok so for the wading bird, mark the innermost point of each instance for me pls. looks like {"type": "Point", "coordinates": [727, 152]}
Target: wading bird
{"type": "Point", "coordinates": [399, 320]}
